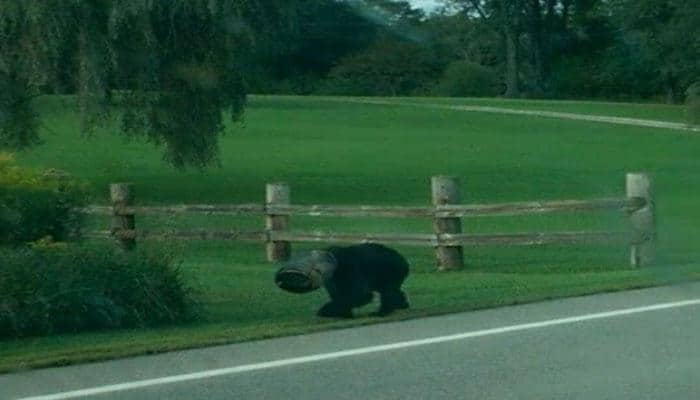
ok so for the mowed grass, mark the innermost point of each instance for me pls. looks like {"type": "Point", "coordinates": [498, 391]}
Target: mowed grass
{"type": "Point", "coordinates": [332, 152]}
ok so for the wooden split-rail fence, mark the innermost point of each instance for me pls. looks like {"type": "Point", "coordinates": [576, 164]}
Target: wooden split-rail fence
{"type": "Point", "coordinates": [447, 237]}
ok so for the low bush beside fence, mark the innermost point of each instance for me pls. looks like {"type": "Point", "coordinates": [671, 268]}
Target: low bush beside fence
{"type": "Point", "coordinates": [35, 205]}
{"type": "Point", "coordinates": [60, 288]}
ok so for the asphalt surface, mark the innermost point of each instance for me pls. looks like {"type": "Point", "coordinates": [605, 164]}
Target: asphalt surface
{"type": "Point", "coordinates": [632, 345]}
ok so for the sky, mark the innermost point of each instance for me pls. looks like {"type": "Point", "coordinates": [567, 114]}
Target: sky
{"type": "Point", "coordinates": [426, 4]}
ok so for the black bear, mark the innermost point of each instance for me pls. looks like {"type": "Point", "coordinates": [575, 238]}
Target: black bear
{"type": "Point", "coordinates": [351, 275]}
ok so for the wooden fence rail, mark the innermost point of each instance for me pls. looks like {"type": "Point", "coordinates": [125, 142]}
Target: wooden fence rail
{"type": "Point", "coordinates": [447, 238]}
{"type": "Point", "coordinates": [406, 239]}
{"type": "Point", "coordinates": [440, 211]}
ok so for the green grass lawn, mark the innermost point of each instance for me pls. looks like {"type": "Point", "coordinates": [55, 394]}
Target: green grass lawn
{"type": "Point", "coordinates": [344, 153]}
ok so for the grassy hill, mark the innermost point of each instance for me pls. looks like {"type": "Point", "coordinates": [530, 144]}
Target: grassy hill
{"type": "Point", "coordinates": [334, 152]}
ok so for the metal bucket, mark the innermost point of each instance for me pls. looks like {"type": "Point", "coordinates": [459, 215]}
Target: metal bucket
{"type": "Point", "coordinates": [305, 273]}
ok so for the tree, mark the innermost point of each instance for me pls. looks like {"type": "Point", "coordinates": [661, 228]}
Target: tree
{"type": "Point", "coordinates": [172, 66]}
{"type": "Point", "coordinates": [509, 16]}
{"type": "Point", "coordinates": [669, 31]}
{"type": "Point", "coordinates": [693, 103]}
{"type": "Point", "coordinates": [467, 79]}
{"type": "Point", "coordinates": [505, 17]}
{"type": "Point", "coordinates": [389, 67]}
{"type": "Point", "coordinates": [395, 13]}
{"type": "Point", "coordinates": [294, 57]}
{"type": "Point", "coordinates": [399, 60]}
{"type": "Point", "coordinates": [538, 36]}
{"type": "Point", "coordinates": [462, 39]}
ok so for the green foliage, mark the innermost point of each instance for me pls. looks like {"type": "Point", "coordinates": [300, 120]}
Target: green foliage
{"type": "Point", "coordinates": [627, 72]}
{"type": "Point", "coordinates": [18, 121]}
{"type": "Point", "coordinates": [293, 57]}
{"type": "Point", "coordinates": [388, 68]}
{"type": "Point", "coordinates": [693, 103]}
{"type": "Point", "coordinates": [178, 64]}
{"type": "Point", "coordinates": [173, 64]}
{"type": "Point", "coordinates": [621, 49]}
{"type": "Point", "coordinates": [48, 289]}
{"type": "Point", "coordinates": [35, 205]}
{"type": "Point", "coordinates": [668, 32]}
{"type": "Point", "coordinates": [467, 79]}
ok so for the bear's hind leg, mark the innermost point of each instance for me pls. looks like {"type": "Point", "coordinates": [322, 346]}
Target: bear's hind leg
{"type": "Point", "coordinates": [334, 309]}
{"type": "Point", "coordinates": [391, 300]}
{"type": "Point", "coordinates": [401, 301]}
{"type": "Point", "coordinates": [363, 299]}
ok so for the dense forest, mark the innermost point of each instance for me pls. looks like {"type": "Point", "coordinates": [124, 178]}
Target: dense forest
{"type": "Point", "coordinates": [611, 49]}
{"type": "Point", "coordinates": [173, 65]}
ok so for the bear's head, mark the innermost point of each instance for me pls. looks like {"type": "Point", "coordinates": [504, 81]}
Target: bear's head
{"type": "Point", "coordinates": [306, 272]}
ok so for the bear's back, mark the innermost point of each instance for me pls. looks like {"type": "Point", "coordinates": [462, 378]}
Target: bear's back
{"type": "Point", "coordinates": [376, 263]}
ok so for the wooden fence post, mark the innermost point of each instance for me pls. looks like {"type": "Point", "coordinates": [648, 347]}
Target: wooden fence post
{"type": "Point", "coordinates": [642, 250]}
{"type": "Point", "coordinates": [277, 194]}
{"type": "Point", "coordinates": [445, 190]}
{"type": "Point", "coordinates": [122, 195]}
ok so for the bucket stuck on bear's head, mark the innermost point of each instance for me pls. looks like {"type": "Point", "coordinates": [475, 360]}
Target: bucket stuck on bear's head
{"type": "Point", "coordinates": [297, 280]}
{"type": "Point", "coordinates": [306, 273]}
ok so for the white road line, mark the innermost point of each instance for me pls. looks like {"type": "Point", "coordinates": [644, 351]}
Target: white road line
{"type": "Point", "coordinates": [357, 352]}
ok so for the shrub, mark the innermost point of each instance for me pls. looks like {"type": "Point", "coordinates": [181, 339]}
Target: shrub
{"type": "Point", "coordinates": [693, 103]}
{"type": "Point", "coordinates": [53, 288]}
{"type": "Point", "coordinates": [34, 205]}
{"type": "Point", "coordinates": [468, 79]}
{"type": "Point", "coordinates": [388, 68]}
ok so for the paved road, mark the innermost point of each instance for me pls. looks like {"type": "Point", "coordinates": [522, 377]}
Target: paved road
{"type": "Point", "coordinates": [633, 345]}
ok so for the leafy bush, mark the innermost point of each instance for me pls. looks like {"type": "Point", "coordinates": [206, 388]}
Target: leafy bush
{"type": "Point", "coordinates": [388, 68]}
{"type": "Point", "coordinates": [34, 205]}
{"type": "Point", "coordinates": [468, 79]}
{"type": "Point", "coordinates": [49, 288]}
{"type": "Point", "coordinates": [693, 103]}
{"type": "Point", "coordinates": [622, 71]}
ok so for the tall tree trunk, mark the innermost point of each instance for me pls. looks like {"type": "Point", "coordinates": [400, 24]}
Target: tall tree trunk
{"type": "Point", "coordinates": [565, 11]}
{"type": "Point", "coordinates": [671, 97]}
{"type": "Point", "coordinates": [511, 38]}
{"type": "Point", "coordinates": [538, 67]}
{"type": "Point", "coordinates": [549, 19]}
{"type": "Point", "coordinates": [547, 42]}
{"type": "Point", "coordinates": [508, 11]}
{"type": "Point", "coordinates": [537, 37]}
{"type": "Point", "coordinates": [671, 84]}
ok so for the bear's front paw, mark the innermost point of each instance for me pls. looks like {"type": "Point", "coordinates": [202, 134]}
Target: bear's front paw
{"type": "Point", "coordinates": [333, 310]}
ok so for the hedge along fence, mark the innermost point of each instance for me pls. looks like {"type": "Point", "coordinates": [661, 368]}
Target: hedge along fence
{"type": "Point", "coordinates": [447, 237]}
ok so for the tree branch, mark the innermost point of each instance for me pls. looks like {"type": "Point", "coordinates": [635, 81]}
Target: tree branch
{"type": "Point", "coordinates": [477, 6]}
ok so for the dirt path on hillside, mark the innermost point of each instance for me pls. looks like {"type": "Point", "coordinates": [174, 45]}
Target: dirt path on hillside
{"type": "Point", "coordinates": [648, 123]}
